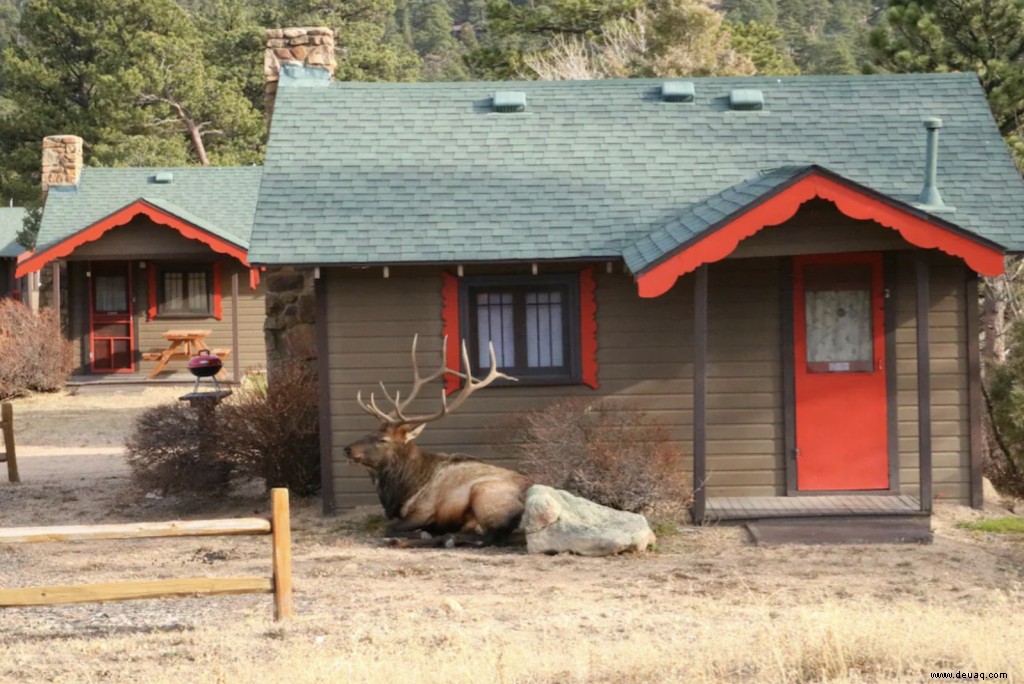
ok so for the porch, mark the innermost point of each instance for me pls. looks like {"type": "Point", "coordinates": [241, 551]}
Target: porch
{"type": "Point", "coordinates": [747, 508]}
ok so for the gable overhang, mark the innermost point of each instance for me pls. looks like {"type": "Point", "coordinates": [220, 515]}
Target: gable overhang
{"type": "Point", "coordinates": [852, 199]}
{"type": "Point", "coordinates": [30, 262]}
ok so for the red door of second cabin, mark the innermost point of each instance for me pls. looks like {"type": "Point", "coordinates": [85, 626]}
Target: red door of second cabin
{"type": "Point", "coordinates": [112, 331]}
{"type": "Point", "coordinates": [840, 388]}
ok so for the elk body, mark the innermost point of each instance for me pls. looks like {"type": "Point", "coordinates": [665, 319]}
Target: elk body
{"type": "Point", "coordinates": [433, 492]}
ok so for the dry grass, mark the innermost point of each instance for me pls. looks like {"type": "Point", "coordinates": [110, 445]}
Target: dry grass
{"type": "Point", "coordinates": [708, 607]}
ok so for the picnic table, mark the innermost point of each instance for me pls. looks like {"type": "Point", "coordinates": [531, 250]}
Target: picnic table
{"type": "Point", "coordinates": [184, 344]}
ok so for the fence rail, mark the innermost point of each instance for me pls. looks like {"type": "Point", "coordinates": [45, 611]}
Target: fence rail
{"type": "Point", "coordinates": [279, 583]}
{"type": "Point", "coordinates": [8, 454]}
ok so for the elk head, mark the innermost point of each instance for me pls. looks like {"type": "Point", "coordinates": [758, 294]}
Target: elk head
{"type": "Point", "coordinates": [394, 440]}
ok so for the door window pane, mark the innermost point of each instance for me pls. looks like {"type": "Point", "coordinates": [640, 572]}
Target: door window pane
{"type": "Point", "coordinates": [111, 294]}
{"type": "Point", "coordinates": [839, 319]}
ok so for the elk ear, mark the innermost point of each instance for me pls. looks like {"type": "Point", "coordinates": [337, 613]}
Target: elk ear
{"type": "Point", "coordinates": [414, 432]}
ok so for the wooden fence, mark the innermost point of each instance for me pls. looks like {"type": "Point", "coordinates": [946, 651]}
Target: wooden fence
{"type": "Point", "coordinates": [279, 584]}
{"type": "Point", "coordinates": [8, 455]}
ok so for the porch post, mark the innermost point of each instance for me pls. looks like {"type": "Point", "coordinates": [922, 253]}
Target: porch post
{"type": "Point", "coordinates": [975, 398]}
{"type": "Point", "coordinates": [924, 382]}
{"type": "Point", "coordinates": [323, 379]}
{"type": "Point", "coordinates": [700, 377]}
{"type": "Point", "coordinates": [56, 294]}
{"type": "Point", "coordinates": [236, 363]}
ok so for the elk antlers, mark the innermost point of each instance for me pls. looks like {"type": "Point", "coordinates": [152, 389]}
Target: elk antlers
{"type": "Point", "coordinates": [398, 416]}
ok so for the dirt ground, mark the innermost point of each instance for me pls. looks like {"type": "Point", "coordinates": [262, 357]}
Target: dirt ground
{"type": "Point", "coordinates": [705, 606]}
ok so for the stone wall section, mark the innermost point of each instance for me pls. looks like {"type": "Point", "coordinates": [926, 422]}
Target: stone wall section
{"type": "Point", "coordinates": [290, 327]}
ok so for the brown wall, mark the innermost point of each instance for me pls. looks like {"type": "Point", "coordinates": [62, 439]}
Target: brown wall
{"type": "Point", "coordinates": [148, 333]}
{"type": "Point", "coordinates": [644, 353]}
{"type": "Point", "coordinates": [948, 349]}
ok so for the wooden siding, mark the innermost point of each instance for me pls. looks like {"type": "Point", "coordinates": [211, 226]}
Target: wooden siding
{"type": "Point", "coordinates": [371, 322]}
{"type": "Point", "coordinates": [251, 315]}
{"type": "Point", "coordinates": [951, 435]}
{"type": "Point", "coordinates": [644, 356]}
{"type": "Point", "coordinates": [819, 229]}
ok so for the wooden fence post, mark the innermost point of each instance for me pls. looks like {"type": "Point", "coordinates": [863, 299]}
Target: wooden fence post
{"type": "Point", "coordinates": [7, 420]}
{"type": "Point", "coordinates": [281, 536]}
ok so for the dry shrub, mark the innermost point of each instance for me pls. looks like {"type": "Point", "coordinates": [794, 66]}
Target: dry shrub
{"type": "Point", "coordinates": [272, 431]}
{"type": "Point", "coordinates": [610, 453]}
{"type": "Point", "coordinates": [33, 354]}
{"type": "Point", "coordinates": [168, 452]}
{"type": "Point", "coordinates": [1004, 395]}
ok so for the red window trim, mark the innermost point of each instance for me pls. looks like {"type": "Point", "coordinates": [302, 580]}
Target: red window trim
{"type": "Point", "coordinates": [588, 327]}
{"type": "Point", "coordinates": [153, 298]}
{"type": "Point", "coordinates": [852, 202]}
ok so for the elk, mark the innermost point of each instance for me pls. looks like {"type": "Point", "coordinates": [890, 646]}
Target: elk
{"type": "Point", "coordinates": [434, 492]}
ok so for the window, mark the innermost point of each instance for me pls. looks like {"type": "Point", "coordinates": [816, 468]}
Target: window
{"type": "Point", "coordinates": [532, 321]}
{"type": "Point", "coordinates": [185, 291]}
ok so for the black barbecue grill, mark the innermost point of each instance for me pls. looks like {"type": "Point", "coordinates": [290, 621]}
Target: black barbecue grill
{"type": "Point", "coordinates": [205, 365]}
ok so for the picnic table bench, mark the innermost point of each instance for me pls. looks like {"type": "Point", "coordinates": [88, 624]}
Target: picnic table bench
{"type": "Point", "coordinates": [184, 344]}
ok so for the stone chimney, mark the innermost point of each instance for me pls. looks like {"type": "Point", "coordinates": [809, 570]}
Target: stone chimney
{"type": "Point", "coordinates": [62, 160]}
{"type": "Point", "coordinates": [308, 46]}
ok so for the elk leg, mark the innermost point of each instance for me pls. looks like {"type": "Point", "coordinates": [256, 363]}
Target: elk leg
{"type": "Point", "coordinates": [497, 508]}
{"type": "Point", "coordinates": [411, 522]}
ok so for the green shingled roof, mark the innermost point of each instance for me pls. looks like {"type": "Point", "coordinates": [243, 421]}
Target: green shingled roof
{"type": "Point", "coordinates": [218, 199]}
{"type": "Point", "coordinates": [389, 173]}
{"type": "Point", "coordinates": [10, 223]}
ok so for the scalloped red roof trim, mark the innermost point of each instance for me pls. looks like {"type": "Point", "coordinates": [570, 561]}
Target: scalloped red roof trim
{"type": "Point", "coordinates": [718, 244]}
{"type": "Point", "coordinates": [122, 216]}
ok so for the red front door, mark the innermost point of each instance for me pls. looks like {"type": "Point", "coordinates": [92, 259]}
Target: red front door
{"type": "Point", "coordinates": [839, 341]}
{"type": "Point", "coordinates": [112, 334]}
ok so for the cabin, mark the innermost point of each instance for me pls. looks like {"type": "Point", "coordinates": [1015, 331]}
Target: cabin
{"type": "Point", "coordinates": [149, 265]}
{"type": "Point", "coordinates": [783, 270]}
{"type": "Point", "coordinates": [11, 219]}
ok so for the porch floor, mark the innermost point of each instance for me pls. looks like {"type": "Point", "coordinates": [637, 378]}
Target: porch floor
{"type": "Point", "coordinates": [738, 508]}
{"type": "Point", "coordinates": [114, 379]}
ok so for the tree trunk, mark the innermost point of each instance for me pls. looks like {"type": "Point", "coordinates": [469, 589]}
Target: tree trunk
{"type": "Point", "coordinates": [993, 320]}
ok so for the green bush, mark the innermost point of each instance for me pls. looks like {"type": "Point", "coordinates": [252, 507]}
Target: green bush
{"type": "Point", "coordinates": [1004, 462]}
{"type": "Point", "coordinates": [609, 453]}
{"type": "Point", "coordinates": [33, 354]}
{"type": "Point", "coordinates": [169, 452]}
{"type": "Point", "coordinates": [272, 430]}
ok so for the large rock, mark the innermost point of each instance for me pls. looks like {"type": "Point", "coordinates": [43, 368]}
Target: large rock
{"type": "Point", "coordinates": [556, 521]}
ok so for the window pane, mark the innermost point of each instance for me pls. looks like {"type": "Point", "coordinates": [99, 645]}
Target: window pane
{"type": "Point", "coordinates": [174, 291]}
{"type": "Point", "coordinates": [544, 329]}
{"type": "Point", "coordinates": [111, 293]}
{"type": "Point", "coordinates": [494, 325]}
{"type": "Point", "coordinates": [197, 294]}
{"type": "Point", "coordinates": [839, 330]}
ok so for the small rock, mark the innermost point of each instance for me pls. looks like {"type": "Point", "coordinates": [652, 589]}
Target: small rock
{"type": "Point", "coordinates": [453, 607]}
{"type": "Point", "coordinates": [556, 521]}
{"type": "Point", "coordinates": [153, 495]}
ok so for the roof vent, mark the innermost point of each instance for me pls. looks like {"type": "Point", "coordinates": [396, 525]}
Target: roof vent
{"type": "Point", "coordinates": [164, 177]}
{"type": "Point", "coordinates": [746, 99]}
{"type": "Point", "coordinates": [509, 101]}
{"type": "Point", "coordinates": [930, 199]}
{"type": "Point", "coordinates": [677, 91]}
